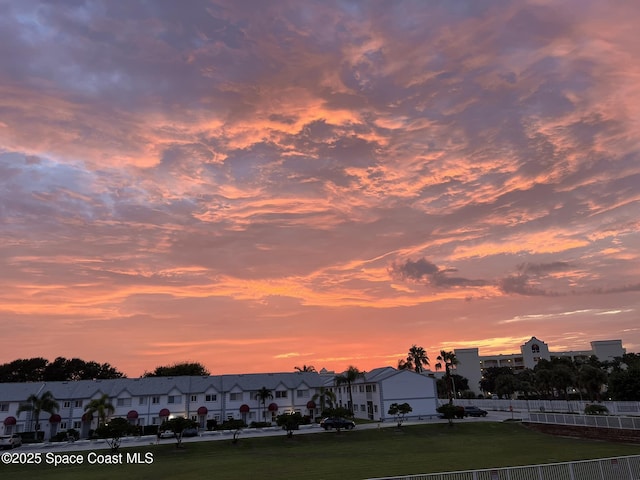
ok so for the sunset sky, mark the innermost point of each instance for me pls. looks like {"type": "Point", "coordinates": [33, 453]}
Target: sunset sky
{"type": "Point", "coordinates": [258, 185]}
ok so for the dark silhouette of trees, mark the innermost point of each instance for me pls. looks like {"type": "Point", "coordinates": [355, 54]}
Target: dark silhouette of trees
{"type": "Point", "coordinates": [39, 369]}
{"type": "Point", "coordinates": [305, 368]}
{"type": "Point", "coordinates": [188, 369]}
{"type": "Point", "coordinates": [447, 360]}
{"type": "Point", "coordinates": [416, 360]}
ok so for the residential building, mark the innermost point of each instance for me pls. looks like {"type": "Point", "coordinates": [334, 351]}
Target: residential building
{"type": "Point", "coordinates": [151, 400]}
{"type": "Point", "coordinates": [377, 390]}
{"type": "Point", "coordinates": [472, 365]}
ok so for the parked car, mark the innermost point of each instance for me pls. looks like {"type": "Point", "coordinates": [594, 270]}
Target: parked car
{"type": "Point", "coordinates": [167, 434]}
{"type": "Point", "coordinates": [472, 411]}
{"type": "Point", "coordinates": [10, 441]}
{"type": "Point", "coordinates": [190, 432]}
{"type": "Point", "coordinates": [328, 423]}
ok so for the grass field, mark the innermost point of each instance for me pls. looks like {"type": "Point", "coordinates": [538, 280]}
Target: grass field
{"type": "Point", "coordinates": [348, 455]}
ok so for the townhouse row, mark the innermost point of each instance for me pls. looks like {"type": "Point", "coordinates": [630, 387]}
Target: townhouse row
{"type": "Point", "coordinates": [151, 400]}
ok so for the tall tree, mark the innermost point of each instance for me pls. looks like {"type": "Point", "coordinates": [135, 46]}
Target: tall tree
{"type": "Point", "coordinates": [326, 398]}
{"type": "Point", "coordinates": [417, 357]}
{"type": "Point", "coordinates": [186, 369]}
{"type": "Point", "coordinates": [447, 360]}
{"type": "Point", "coordinates": [61, 369]}
{"type": "Point", "coordinates": [348, 377]}
{"type": "Point", "coordinates": [405, 364]}
{"type": "Point", "coordinates": [624, 385]}
{"type": "Point", "coordinates": [489, 376]}
{"type": "Point", "coordinates": [23, 370]}
{"type": "Point", "coordinates": [591, 379]}
{"type": "Point", "coordinates": [38, 404]}
{"type": "Point", "coordinates": [263, 395]}
{"type": "Point", "coordinates": [101, 407]}
{"type": "Point", "coordinates": [64, 369]}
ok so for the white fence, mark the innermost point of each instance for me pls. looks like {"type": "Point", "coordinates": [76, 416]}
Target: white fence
{"type": "Point", "coordinates": [602, 421]}
{"type": "Point", "coordinates": [619, 468]}
{"type": "Point", "coordinates": [571, 406]}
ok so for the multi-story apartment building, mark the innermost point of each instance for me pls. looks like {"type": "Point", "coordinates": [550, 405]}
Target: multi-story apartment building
{"type": "Point", "coordinates": [151, 400]}
{"type": "Point", "coordinates": [472, 365]}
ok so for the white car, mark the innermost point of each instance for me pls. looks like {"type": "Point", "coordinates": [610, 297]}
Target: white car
{"type": "Point", "coordinates": [167, 434]}
{"type": "Point", "coordinates": [10, 441]}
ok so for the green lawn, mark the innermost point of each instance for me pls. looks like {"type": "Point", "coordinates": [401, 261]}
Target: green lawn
{"type": "Point", "coordinates": [348, 455]}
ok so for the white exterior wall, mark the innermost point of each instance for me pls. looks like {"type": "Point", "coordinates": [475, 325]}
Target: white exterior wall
{"type": "Point", "coordinates": [417, 390]}
{"type": "Point", "coordinates": [469, 367]}
{"type": "Point", "coordinates": [607, 350]}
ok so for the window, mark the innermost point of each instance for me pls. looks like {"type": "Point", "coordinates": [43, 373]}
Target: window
{"type": "Point", "coordinates": [535, 348]}
{"type": "Point", "coordinates": [361, 388]}
{"type": "Point", "coordinates": [66, 404]}
{"type": "Point", "coordinates": [235, 396]}
{"type": "Point", "coordinates": [77, 425]}
{"type": "Point", "coordinates": [78, 404]}
{"type": "Point", "coordinates": [281, 394]}
{"type": "Point", "coordinates": [4, 407]}
{"type": "Point", "coordinates": [375, 408]}
{"type": "Point", "coordinates": [142, 401]}
{"type": "Point", "coordinates": [194, 398]}
{"type": "Point", "coordinates": [303, 393]}
{"type": "Point", "coordinates": [210, 398]}
{"type": "Point", "coordinates": [154, 421]}
{"type": "Point", "coordinates": [363, 408]}
{"type": "Point", "coordinates": [124, 402]}
{"type": "Point", "coordinates": [63, 425]}
{"type": "Point", "coordinates": [155, 399]}
{"type": "Point", "coordinates": [175, 398]}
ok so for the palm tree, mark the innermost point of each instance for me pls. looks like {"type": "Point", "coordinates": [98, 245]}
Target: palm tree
{"type": "Point", "coordinates": [449, 360]}
{"type": "Point", "coordinates": [405, 364]}
{"type": "Point", "coordinates": [348, 377]}
{"type": "Point", "coordinates": [305, 368]}
{"type": "Point", "coordinates": [263, 395]}
{"type": "Point", "coordinates": [326, 398]}
{"type": "Point", "coordinates": [38, 404]}
{"type": "Point", "coordinates": [417, 357]}
{"type": "Point", "coordinates": [100, 406]}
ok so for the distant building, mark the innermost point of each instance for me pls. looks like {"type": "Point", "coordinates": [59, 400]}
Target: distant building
{"type": "Point", "coordinates": [472, 365]}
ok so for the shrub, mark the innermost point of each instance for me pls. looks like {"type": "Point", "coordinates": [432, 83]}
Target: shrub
{"type": "Point", "coordinates": [232, 424]}
{"type": "Point", "coordinates": [70, 434]}
{"type": "Point", "coordinates": [451, 411]}
{"type": "Point", "coordinates": [212, 423]}
{"type": "Point", "coordinates": [259, 424]}
{"type": "Point", "coordinates": [596, 410]}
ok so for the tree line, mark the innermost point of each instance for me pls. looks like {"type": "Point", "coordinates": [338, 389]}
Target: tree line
{"type": "Point", "coordinates": [560, 377]}
{"type": "Point", "coordinates": [62, 369]}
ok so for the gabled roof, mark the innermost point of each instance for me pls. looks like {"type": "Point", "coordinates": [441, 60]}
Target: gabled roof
{"type": "Point", "coordinates": [86, 389]}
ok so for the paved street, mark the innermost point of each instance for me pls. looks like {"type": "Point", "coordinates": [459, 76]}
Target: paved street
{"type": "Point", "coordinates": [85, 445]}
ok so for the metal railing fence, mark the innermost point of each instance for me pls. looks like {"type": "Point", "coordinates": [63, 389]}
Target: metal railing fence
{"type": "Point", "coordinates": [602, 421]}
{"type": "Point", "coordinates": [618, 468]}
